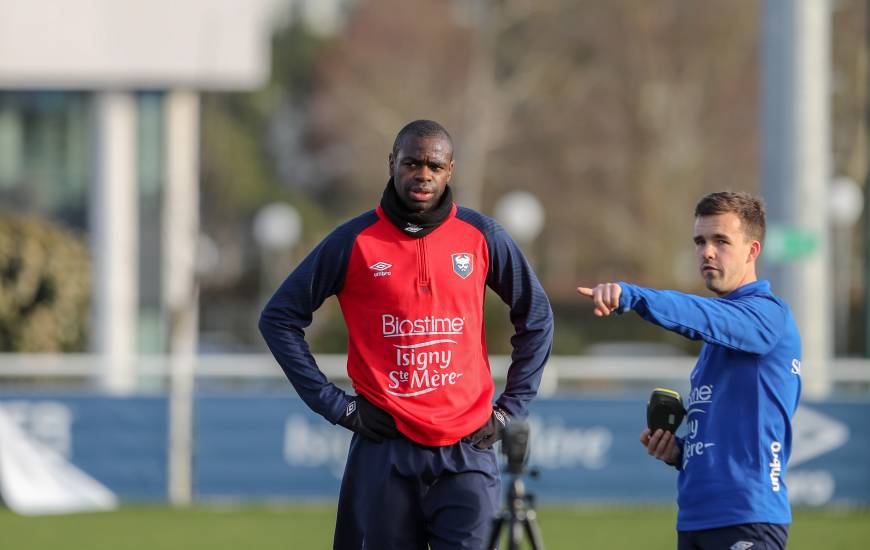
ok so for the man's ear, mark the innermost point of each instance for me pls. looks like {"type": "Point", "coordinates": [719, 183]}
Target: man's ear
{"type": "Point", "coordinates": [450, 174]}
{"type": "Point", "coordinates": [390, 162]}
{"type": "Point", "coordinates": [754, 250]}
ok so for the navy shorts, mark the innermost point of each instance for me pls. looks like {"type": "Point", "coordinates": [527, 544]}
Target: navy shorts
{"type": "Point", "coordinates": [749, 536]}
{"type": "Point", "coordinates": [401, 495]}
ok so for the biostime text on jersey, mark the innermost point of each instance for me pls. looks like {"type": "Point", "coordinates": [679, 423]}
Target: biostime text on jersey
{"type": "Point", "coordinates": [422, 367]}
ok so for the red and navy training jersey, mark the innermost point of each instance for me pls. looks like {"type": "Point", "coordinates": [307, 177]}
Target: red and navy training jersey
{"type": "Point", "coordinates": [414, 313]}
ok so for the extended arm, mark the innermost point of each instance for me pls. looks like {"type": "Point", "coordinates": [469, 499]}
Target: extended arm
{"type": "Point", "coordinates": [751, 324]}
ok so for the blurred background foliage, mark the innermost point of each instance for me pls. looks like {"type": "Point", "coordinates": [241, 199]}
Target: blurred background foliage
{"type": "Point", "coordinates": [45, 286]}
{"type": "Point", "coordinates": [618, 115]}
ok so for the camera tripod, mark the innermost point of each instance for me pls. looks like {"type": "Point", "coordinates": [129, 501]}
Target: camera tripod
{"type": "Point", "coordinates": [519, 518]}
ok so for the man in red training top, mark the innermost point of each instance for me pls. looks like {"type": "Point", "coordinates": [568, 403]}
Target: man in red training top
{"type": "Point", "coordinates": [410, 277]}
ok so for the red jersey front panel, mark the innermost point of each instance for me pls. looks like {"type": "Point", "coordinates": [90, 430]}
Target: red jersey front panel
{"type": "Point", "coordinates": [414, 312]}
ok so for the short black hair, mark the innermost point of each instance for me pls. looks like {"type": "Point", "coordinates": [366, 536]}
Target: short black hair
{"type": "Point", "coordinates": [749, 208]}
{"type": "Point", "coordinates": [424, 129]}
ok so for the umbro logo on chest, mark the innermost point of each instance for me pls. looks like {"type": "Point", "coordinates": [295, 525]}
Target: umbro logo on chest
{"type": "Point", "coordinates": [381, 269]}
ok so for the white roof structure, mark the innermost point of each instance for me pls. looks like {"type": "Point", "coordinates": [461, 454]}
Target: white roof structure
{"type": "Point", "coordinates": [135, 44]}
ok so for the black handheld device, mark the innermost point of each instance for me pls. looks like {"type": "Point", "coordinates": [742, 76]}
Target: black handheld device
{"type": "Point", "coordinates": [664, 410]}
{"type": "Point", "coordinates": [515, 445]}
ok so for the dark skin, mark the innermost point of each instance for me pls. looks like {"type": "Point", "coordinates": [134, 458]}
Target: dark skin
{"type": "Point", "coordinates": [421, 169]}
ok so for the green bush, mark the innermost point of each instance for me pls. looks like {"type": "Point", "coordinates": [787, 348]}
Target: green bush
{"type": "Point", "coordinates": [45, 287]}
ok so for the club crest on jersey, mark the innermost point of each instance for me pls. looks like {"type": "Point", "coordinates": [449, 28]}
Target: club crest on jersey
{"type": "Point", "coordinates": [463, 264]}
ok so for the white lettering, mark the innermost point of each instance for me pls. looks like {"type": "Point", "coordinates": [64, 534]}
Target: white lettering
{"type": "Point", "coordinates": [422, 359]}
{"type": "Point", "coordinates": [775, 465]}
{"type": "Point", "coordinates": [396, 378]}
{"type": "Point", "coordinates": [694, 449]}
{"type": "Point", "coordinates": [796, 366]}
{"type": "Point", "coordinates": [701, 394]}
{"type": "Point", "coordinates": [693, 429]}
{"type": "Point", "coordinates": [420, 381]}
{"type": "Point", "coordinates": [422, 367]}
{"type": "Point", "coordinates": [433, 379]}
{"type": "Point", "coordinates": [556, 445]}
{"type": "Point", "coordinates": [392, 325]}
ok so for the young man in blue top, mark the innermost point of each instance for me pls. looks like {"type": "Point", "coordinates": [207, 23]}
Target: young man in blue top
{"type": "Point", "coordinates": [744, 388]}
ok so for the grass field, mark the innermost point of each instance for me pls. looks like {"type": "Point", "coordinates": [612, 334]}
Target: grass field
{"type": "Point", "coordinates": [310, 527]}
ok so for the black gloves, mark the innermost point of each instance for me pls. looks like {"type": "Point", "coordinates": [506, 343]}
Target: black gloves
{"type": "Point", "coordinates": [362, 417]}
{"type": "Point", "coordinates": [486, 436]}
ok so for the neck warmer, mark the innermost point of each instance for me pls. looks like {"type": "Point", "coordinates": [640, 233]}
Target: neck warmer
{"type": "Point", "coordinates": [415, 224]}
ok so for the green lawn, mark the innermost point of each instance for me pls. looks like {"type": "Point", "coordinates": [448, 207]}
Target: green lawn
{"type": "Point", "coordinates": [309, 527]}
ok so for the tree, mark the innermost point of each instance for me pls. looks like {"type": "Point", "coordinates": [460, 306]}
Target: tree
{"type": "Point", "coordinates": [45, 287]}
{"type": "Point", "coordinates": [619, 115]}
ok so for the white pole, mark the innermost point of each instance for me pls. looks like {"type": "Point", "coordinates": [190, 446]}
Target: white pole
{"type": "Point", "coordinates": [115, 238]}
{"type": "Point", "coordinates": [796, 148]}
{"type": "Point", "coordinates": [180, 290]}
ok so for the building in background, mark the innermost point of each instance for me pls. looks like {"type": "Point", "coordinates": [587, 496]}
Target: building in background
{"type": "Point", "coordinates": [99, 128]}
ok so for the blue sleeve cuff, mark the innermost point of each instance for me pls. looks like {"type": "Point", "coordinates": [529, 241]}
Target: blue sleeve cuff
{"type": "Point", "coordinates": [626, 297]}
{"type": "Point", "coordinates": [679, 463]}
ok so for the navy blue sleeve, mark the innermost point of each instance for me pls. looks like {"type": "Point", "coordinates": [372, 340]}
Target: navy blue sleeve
{"type": "Point", "coordinates": [751, 324]}
{"type": "Point", "coordinates": [289, 312]}
{"type": "Point", "coordinates": [512, 278]}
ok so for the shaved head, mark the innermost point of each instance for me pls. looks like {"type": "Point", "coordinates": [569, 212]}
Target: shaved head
{"type": "Point", "coordinates": [422, 129]}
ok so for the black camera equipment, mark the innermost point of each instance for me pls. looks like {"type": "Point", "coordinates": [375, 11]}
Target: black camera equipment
{"type": "Point", "coordinates": [519, 516]}
{"type": "Point", "coordinates": [664, 410]}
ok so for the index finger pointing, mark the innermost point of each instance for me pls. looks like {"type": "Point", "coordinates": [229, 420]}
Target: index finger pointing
{"type": "Point", "coordinates": [583, 291]}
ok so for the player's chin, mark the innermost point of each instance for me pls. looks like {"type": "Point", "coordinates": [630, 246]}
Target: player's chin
{"type": "Point", "coordinates": [418, 206]}
{"type": "Point", "coordinates": [711, 282]}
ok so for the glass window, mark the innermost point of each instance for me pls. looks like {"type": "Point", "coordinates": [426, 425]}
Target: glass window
{"type": "Point", "coordinates": [45, 154]}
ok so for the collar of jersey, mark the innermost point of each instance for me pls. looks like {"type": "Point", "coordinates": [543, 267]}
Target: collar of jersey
{"type": "Point", "coordinates": [760, 286]}
{"type": "Point", "coordinates": [383, 216]}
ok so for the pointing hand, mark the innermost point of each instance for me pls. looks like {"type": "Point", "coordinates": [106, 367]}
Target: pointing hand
{"type": "Point", "coordinates": [605, 297]}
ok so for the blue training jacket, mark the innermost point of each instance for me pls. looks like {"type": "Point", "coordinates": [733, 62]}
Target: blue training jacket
{"type": "Point", "coordinates": [745, 389]}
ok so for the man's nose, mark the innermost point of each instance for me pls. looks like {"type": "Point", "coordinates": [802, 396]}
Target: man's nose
{"type": "Point", "coordinates": [424, 173]}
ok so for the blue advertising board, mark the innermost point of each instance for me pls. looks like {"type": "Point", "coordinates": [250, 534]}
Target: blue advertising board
{"type": "Point", "coordinates": [120, 442]}
{"type": "Point", "coordinates": [268, 447]}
